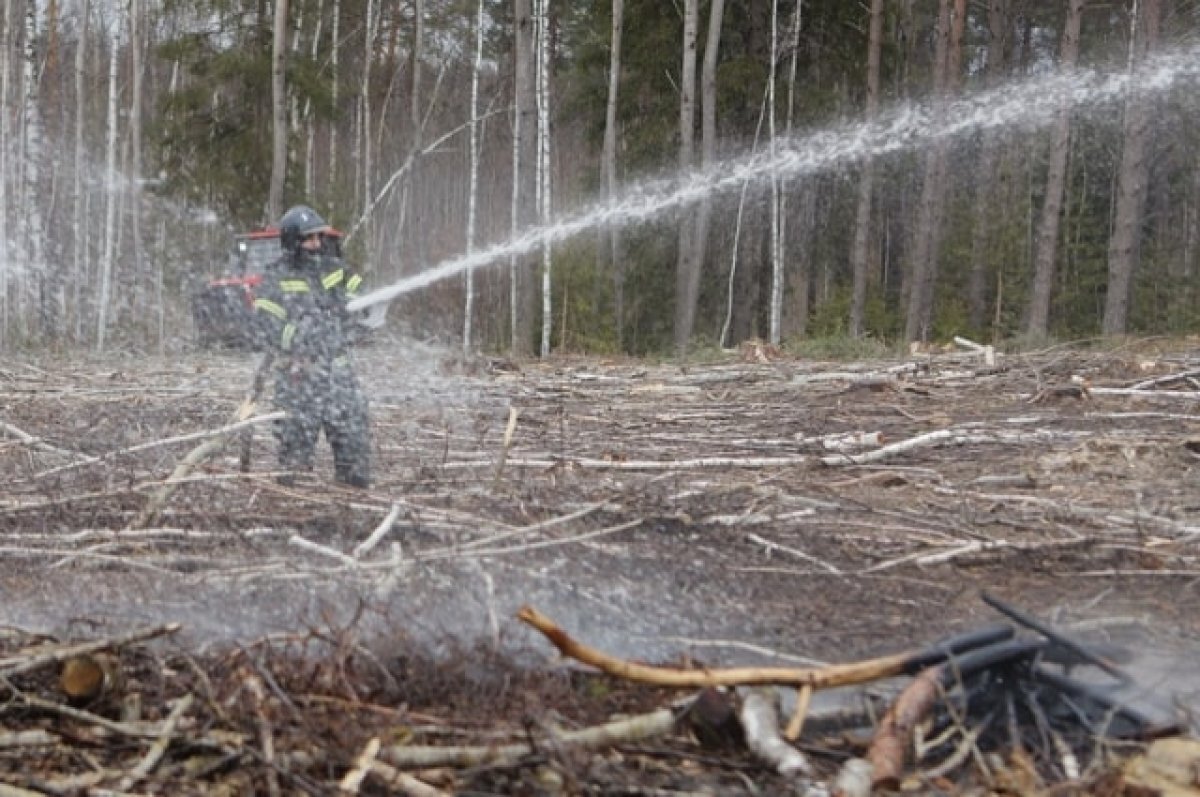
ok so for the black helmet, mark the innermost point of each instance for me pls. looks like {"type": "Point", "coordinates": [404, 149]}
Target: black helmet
{"type": "Point", "coordinates": [297, 224]}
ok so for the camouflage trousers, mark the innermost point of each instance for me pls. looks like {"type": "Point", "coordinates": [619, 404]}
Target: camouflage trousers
{"type": "Point", "coordinates": [325, 397]}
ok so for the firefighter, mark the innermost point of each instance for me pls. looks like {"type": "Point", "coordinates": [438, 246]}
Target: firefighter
{"type": "Point", "coordinates": [301, 312]}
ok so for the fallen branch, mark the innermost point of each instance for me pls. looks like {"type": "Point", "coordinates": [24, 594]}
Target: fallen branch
{"type": "Point", "coordinates": [353, 779]}
{"type": "Point", "coordinates": [403, 782]}
{"type": "Point", "coordinates": [946, 437]}
{"type": "Point", "coordinates": [17, 665]}
{"type": "Point", "coordinates": [159, 748]}
{"type": "Point", "coordinates": [41, 445]}
{"type": "Point", "coordinates": [632, 729]}
{"type": "Point", "coordinates": [699, 463]}
{"type": "Point", "coordinates": [206, 434]}
{"type": "Point", "coordinates": [364, 547]}
{"type": "Point", "coordinates": [760, 720]}
{"type": "Point", "coordinates": [818, 678]}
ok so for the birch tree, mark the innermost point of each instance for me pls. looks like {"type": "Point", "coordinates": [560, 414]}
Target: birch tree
{"type": "Point", "coordinates": [363, 139]}
{"type": "Point", "coordinates": [859, 251]}
{"type": "Point", "coordinates": [524, 171]}
{"type": "Point", "coordinates": [29, 161]}
{"type": "Point", "coordinates": [279, 111]}
{"type": "Point", "coordinates": [1046, 242]}
{"type": "Point", "coordinates": [6, 141]}
{"type": "Point", "coordinates": [110, 195]}
{"type": "Point", "coordinates": [797, 276]}
{"type": "Point", "coordinates": [473, 181]}
{"type": "Point", "coordinates": [776, 253]}
{"type": "Point", "coordinates": [135, 145]}
{"type": "Point", "coordinates": [609, 167]}
{"type": "Point", "coordinates": [687, 280]}
{"type": "Point", "coordinates": [543, 163]}
{"type": "Point", "coordinates": [78, 217]}
{"type": "Point", "coordinates": [1130, 200]}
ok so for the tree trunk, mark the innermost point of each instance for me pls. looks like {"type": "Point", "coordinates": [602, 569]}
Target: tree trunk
{"type": "Point", "coordinates": [999, 20]}
{"type": "Point", "coordinates": [6, 138]}
{"type": "Point", "coordinates": [1131, 179]}
{"type": "Point", "coordinates": [776, 310]}
{"type": "Point", "coordinates": [609, 160]}
{"type": "Point", "coordinates": [1046, 243]}
{"type": "Point", "coordinates": [708, 128]}
{"type": "Point", "coordinates": [140, 276]}
{"type": "Point", "coordinates": [524, 156]}
{"type": "Point", "coordinates": [687, 270]}
{"type": "Point", "coordinates": [923, 269]}
{"type": "Point", "coordinates": [473, 180]}
{"type": "Point", "coordinates": [543, 165]}
{"type": "Point", "coordinates": [110, 204]}
{"type": "Point", "coordinates": [335, 48]}
{"type": "Point", "coordinates": [279, 111]}
{"type": "Point", "coordinates": [78, 219]}
{"type": "Point", "coordinates": [866, 181]}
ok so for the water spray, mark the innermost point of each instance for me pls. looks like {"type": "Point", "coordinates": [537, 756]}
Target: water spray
{"type": "Point", "coordinates": [1030, 104]}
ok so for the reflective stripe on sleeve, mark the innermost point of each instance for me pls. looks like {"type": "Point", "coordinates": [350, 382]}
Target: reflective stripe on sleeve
{"type": "Point", "coordinates": [330, 280]}
{"type": "Point", "coordinates": [353, 283]}
{"type": "Point", "coordinates": [289, 332]}
{"type": "Point", "coordinates": [268, 306]}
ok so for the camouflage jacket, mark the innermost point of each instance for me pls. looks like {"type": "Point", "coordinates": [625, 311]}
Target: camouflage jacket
{"type": "Point", "coordinates": [300, 308]}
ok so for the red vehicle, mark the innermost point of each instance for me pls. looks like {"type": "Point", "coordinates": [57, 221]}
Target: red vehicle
{"type": "Point", "coordinates": [223, 308]}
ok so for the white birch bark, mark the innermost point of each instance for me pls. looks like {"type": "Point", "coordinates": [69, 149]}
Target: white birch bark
{"type": "Point", "coordinates": [78, 217]}
{"type": "Point", "coordinates": [111, 198]}
{"type": "Point", "coordinates": [6, 139]}
{"type": "Point", "coordinates": [520, 72]}
{"type": "Point", "coordinates": [365, 104]}
{"type": "Point", "coordinates": [473, 187]}
{"type": "Point", "coordinates": [687, 270]}
{"type": "Point", "coordinates": [279, 111]}
{"type": "Point", "coordinates": [335, 46]}
{"type": "Point", "coordinates": [310, 126]}
{"type": "Point", "coordinates": [543, 162]}
{"type": "Point", "coordinates": [609, 159]}
{"type": "Point", "coordinates": [140, 280]}
{"type": "Point", "coordinates": [29, 162]}
{"type": "Point", "coordinates": [776, 254]}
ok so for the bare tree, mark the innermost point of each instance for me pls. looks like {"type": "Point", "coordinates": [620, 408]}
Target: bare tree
{"type": "Point", "coordinates": [78, 218]}
{"type": "Point", "coordinates": [473, 180]}
{"type": "Point", "coordinates": [279, 111]}
{"type": "Point", "coordinates": [1046, 243]}
{"type": "Point", "coordinates": [923, 265]}
{"type": "Point", "coordinates": [135, 145]}
{"type": "Point", "coordinates": [335, 49]}
{"type": "Point", "coordinates": [687, 272]}
{"type": "Point", "coordinates": [1132, 176]}
{"type": "Point", "coordinates": [6, 141]}
{"type": "Point", "coordinates": [859, 253]}
{"type": "Point", "coordinates": [609, 161]}
{"type": "Point", "coordinates": [542, 37]}
{"type": "Point", "coordinates": [111, 198]}
{"type": "Point", "coordinates": [999, 22]}
{"type": "Point", "coordinates": [524, 155]}
{"type": "Point", "coordinates": [795, 319]}
{"type": "Point", "coordinates": [776, 242]}
{"type": "Point", "coordinates": [29, 162]}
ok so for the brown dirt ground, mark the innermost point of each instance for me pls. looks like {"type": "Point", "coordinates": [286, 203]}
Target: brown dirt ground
{"type": "Point", "coordinates": [655, 511]}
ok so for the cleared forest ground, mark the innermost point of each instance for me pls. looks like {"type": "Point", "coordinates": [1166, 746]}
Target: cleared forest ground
{"type": "Point", "coordinates": [759, 510]}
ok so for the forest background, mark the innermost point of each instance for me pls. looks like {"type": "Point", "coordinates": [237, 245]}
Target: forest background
{"type": "Point", "coordinates": [136, 137]}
